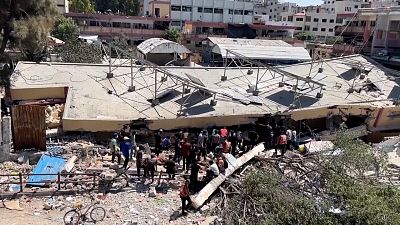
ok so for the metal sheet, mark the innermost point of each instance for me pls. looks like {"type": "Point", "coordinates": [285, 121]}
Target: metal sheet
{"type": "Point", "coordinates": [29, 127]}
{"type": "Point", "coordinates": [46, 165]}
{"type": "Point", "coordinates": [195, 80]}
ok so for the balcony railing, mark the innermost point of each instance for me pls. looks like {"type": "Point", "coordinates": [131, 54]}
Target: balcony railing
{"type": "Point", "coordinates": [349, 29]}
{"type": "Point", "coordinates": [119, 30]}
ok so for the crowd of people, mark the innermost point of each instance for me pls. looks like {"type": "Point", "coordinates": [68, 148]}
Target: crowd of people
{"type": "Point", "coordinates": [193, 151]}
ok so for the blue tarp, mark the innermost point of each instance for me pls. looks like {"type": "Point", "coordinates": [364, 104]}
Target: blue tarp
{"type": "Point", "coordinates": [46, 165]}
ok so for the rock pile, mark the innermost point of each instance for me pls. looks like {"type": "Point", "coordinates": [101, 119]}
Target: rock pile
{"type": "Point", "coordinates": [54, 115]}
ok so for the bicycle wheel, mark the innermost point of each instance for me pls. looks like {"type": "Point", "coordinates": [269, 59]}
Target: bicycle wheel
{"type": "Point", "coordinates": [97, 214]}
{"type": "Point", "coordinates": [72, 217]}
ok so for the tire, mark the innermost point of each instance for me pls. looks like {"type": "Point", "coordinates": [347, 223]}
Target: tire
{"type": "Point", "coordinates": [97, 214]}
{"type": "Point", "coordinates": [72, 217]}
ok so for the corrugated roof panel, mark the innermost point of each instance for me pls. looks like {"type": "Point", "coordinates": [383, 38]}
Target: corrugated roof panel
{"type": "Point", "coordinates": [46, 165]}
{"type": "Point", "coordinates": [160, 45]}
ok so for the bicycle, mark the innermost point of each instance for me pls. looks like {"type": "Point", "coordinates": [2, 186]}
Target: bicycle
{"type": "Point", "coordinates": [93, 213]}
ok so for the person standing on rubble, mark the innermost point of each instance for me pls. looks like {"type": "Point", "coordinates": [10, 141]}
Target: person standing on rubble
{"type": "Point", "coordinates": [139, 161]}
{"type": "Point", "coordinates": [294, 138]}
{"type": "Point", "coordinates": [215, 139]}
{"type": "Point", "coordinates": [184, 194]}
{"type": "Point", "coordinates": [289, 138]}
{"type": "Point", "coordinates": [134, 145]}
{"type": "Point", "coordinates": [114, 149]}
{"type": "Point", "coordinates": [224, 134]}
{"type": "Point", "coordinates": [233, 140]}
{"type": "Point", "coordinates": [152, 166]}
{"type": "Point", "coordinates": [194, 174]}
{"type": "Point", "coordinates": [157, 142]}
{"type": "Point", "coordinates": [282, 143]}
{"type": "Point", "coordinates": [253, 137]}
{"type": "Point", "coordinates": [177, 147]}
{"type": "Point", "coordinates": [202, 144]}
{"type": "Point", "coordinates": [126, 147]}
{"type": "Point", "coordinates": [185, 153]}
{"type": "Point", "coordinates": [269, 134]}
{"type": "Point", "coordinates": [170, 166]}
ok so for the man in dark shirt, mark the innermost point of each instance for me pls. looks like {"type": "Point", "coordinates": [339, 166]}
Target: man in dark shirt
{"type": "Point", "coordinates": [185, 153]}
{"type": "Point", "coordinates": [157, 141]}
{"type": "Point", "coordinates": [233, 140]}
{"type": "Point", "coordinates": [152, 166]}
{"type": "Point", "coordinates": [139, 161]}
{"type": "Point", "coordinates": [194, 174]}
{"type": "Point", "coordinates": [170, 167]}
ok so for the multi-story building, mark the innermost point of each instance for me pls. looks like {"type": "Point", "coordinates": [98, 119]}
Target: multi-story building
{"type": "Point", "coordinates": [62, 6]}
{"type": "Point", "coordinates": [272, 9]}
{"type": "Point", "coordinates": [133, 28]}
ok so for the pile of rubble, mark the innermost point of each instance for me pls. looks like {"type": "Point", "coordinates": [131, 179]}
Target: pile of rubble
{"type": "Point", "coordinates": [54, 115]}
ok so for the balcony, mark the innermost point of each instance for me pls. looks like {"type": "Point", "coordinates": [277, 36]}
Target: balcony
{"type": "Point", "coordinates": [349, 30]}
{"type": "Point", "coordinates": [117, 31]}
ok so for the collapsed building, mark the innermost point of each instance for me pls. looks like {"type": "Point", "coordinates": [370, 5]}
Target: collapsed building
{"type": "Point", "coordinates": [104, 97]}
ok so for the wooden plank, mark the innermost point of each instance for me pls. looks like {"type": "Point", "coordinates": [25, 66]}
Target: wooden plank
{"type": "Point", "coordinates": [29, 127]}
{"type": "Point", "coordinates": [199, 199]}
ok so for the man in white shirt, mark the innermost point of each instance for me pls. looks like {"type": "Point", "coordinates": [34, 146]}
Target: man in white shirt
{"type": "Point", "coordinates": [294, 138]}
{"type": "Point", "coordinates": [289, 139]}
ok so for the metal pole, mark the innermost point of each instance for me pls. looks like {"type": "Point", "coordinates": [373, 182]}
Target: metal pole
{"type": "Point", "coordinates": [131, 72]}
{"type": "Point", "coordinates": [20, 181]}
{"type": "Point", "coordinates": [258, 73]}
{"type": "Point", "coordinates": [183, 95]}
{"type": "Point", "coordinates": [58, 181]}
{"type": "Point", "coordinates": [226, 62]}
{"type": "Point", "coordinates": [155, 83]}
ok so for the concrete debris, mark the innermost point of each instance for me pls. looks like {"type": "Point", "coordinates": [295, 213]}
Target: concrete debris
{"type": "Point", "coordinates": [108, 175]}
{"type": "Point", "coordinates": [152, 191]}
{"type": "Point", "coordinates": [13, 205]}
{"type": "Point", "coordinates": [54, 115]}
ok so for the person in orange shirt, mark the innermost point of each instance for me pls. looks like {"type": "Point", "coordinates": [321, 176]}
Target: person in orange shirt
{"type": "Point", "coordinates": [226, 146]}
{"type": "Point", "coordinates": [184, 194]}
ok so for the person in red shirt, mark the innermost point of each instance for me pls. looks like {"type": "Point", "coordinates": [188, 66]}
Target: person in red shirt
{"type": "Point", "coordinates": [224, 132]}
{"type": "Point", "coordinates": [185, 153]}
{"type": "Point", "coordinates": [184, 194]}
{"type": "Point", "coordinates": [282, 142]}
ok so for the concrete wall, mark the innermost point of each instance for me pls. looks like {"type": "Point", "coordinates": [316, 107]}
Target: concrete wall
{"type": "Point", "coordinates": [6, 139]}
{"type": "Point", "coordinates": [37, 93]}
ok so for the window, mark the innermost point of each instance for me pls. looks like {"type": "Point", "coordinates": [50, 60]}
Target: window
{"type": "Point", "coordinates": [329, 2]}
{"type": "Point", "coordinates": [188, 41]}
{"type": "Point", "coordinates": [333, 9]}
{"type": "Point", "coordinates": [186, 8]}
{"type": "Point", "coordinates": [290, 18]}
{"type": "Point", "coordinates": [308, 18]}
{"type": "Point", "coordinates": [314, 29]}
{"type": "Point", "coordinates": [330, 29]}
{"type": "Point", "coordinates": [231, 11]}
{"type": "Point", "coordinates": [199, 9]}
{"type": "Point", "coordinates": [105, 24]}
{"type": "Point", "coordinates": [248, 12]}
{"type": "Point", "coordinates": [208, 10]}
{"type": "Point", "coordinates": [316, 20]}
{"type": "Point", "coordinates": [284, 18]}
{"type": "Point", "coordinates": [93, 23]}
{"type": "Point", "coordinates": [356, 6]}
{"type": "Point", "coordinates": [299, 19]}
{"type": "Point", "coordinates": [323, 29]}
{"type": "Point", "coordinates": [126, 25]}
{"type": "Point", "coordinates": [347, 9]}
{"type": "Point", "coordinates": [307, 28]}
{"type": "Point", "coordinates": [238, 12]}
{"type": "Point", "coordinates": [339, 20]}
{"type": "Point", "coordinates": [218, 11]}
{"type": "Point", "coordinates": [270, 10]}
{"type": "Point", "coordinates": [324, 20]}
{"type": "Point", "coordinates": [176, 23]}
{"type": "Point", "coordinates": [283, 8]}
{"type": "Point", "coordinates": [299, 28]}
{"type": "Point", "coordinates": [332, 21]}
{"type": "Point", "coordinates": [175, 8]}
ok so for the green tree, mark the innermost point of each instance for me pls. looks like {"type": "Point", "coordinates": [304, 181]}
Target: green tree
{"type": "Point", "coordinates": [172, 34]}
{"type": "Point", "coordinates": [76, 51]}
{"type": "Point", "coordinates": [305, 36]}
{"type": "Point", "coordinates": [81, 6]}
{"type": "Point", "coordinates": [65, 29]}
{"type": "Point", "coordinates": [125, 7]}
{"type": "Point", "coordinates": [26, 24]}
{"type": "Point", "coordinates": [320, 189]}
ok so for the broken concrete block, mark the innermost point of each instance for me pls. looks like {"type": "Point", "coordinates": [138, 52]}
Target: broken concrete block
{"type": "Point", "coordinates": [108, 175]}
{"type": "Point", "coordinates": [47, 206]}
{"type": "Point", "coordinates": [152, 191]}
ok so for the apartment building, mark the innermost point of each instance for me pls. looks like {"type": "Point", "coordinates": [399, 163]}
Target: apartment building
{"type": "Point", "coordinates": [271, 10]}
{"type": "Point", "coordinates": [211, 11]}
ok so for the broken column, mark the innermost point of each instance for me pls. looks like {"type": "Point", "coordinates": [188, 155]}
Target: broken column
{"type": "Point", "coordinates": [5, 149]}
